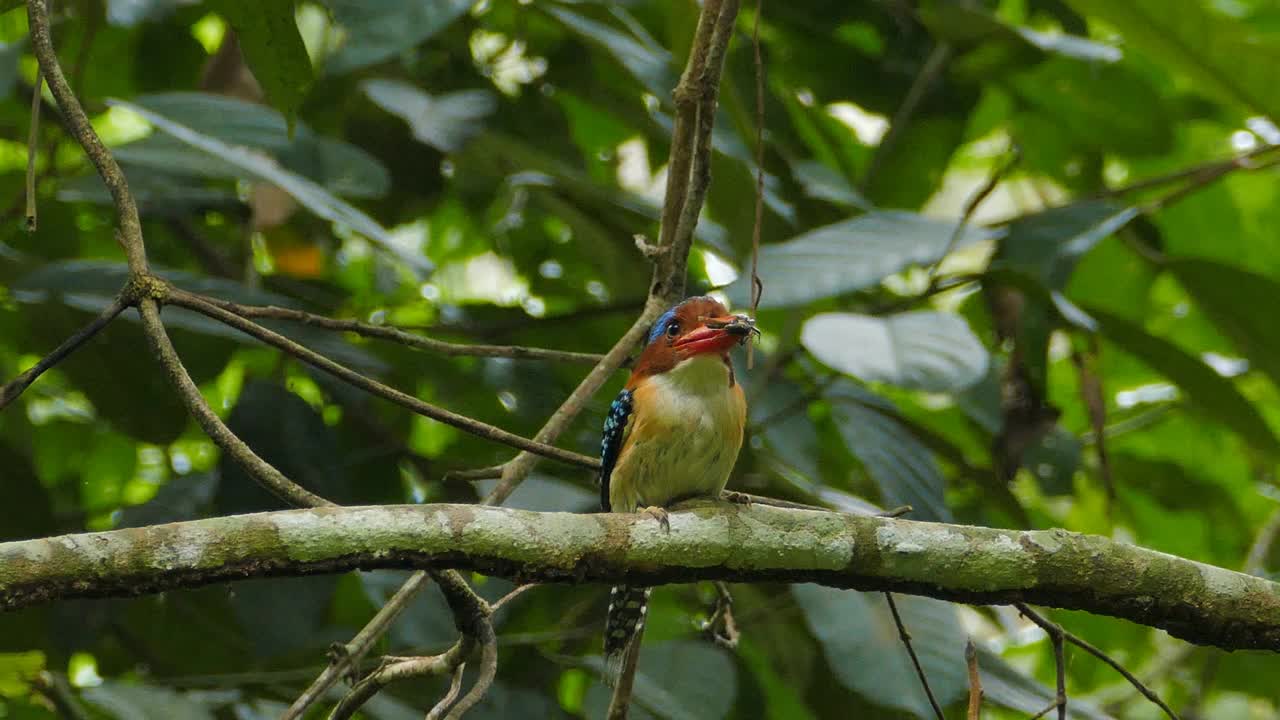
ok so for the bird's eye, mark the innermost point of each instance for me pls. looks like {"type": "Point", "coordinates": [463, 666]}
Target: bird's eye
{"type": "Point", "coordinates": [673, 329]}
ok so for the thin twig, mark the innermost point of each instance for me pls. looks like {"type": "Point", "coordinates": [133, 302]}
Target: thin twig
{"type": "Point", "coordinates": [33, 142]}
{"type": "Point", "coordinates": [485, 473]}
{"type": "Point", "coordinates": [1211, 170]}
{"type": "Point", "coordinates": [16, 386]}
{"type": "Point", "coordinates": [971, 207]}
{"type": "Point", "coordinates": [924, 81]}
{"type": "Point", "coordinates": [757, 286]}
{"type": "Point", "coordinates": [1255, 563]}
{"type": "Point", "coordinates": [259, 469]}
{"type": "Point", "coordinates": [455, 688]}
{"type": "Point", "coordinates": [383, 332]}
{"type": "Point", "coordinates": [906, 640]}
{"type": "Point", "coordinates": [191, 301]}
{"type": "Point", "coordinates": [493, 607]}
{"type": "Point", "coordinates": [393, 669]}
{"type": "Point", "coordinates": [975, 681]}
{"type": "Point", "coordinates": [721, 627]}
{"type": "Point", "coordinates": [130, 236]}
{"type": "Point", "coordinates": [349, 656]}
{"type": "Point", "coordinates": [1053, 629]}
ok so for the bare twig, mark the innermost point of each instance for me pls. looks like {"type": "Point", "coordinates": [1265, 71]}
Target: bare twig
{"type": "Point", "coordinates": [55, 688]}
{"type": "Point", "coordinates": [906, 640]}
{"type": "Point", "coordinates": [455, 688]}
{"type": "Point", "coordinates": [347, 657]}
{"type": "Point", "coordinates": [395, 668]}
{"type": "Point", "coordinates": [130, 236]}
{"type": "Point", "coordinates": [493, 607]}
{"type": "Point", "coordinates": [471, 615]}
{"type": "Point", "coordinates": [33, 143]}
{"type": "Point", "coordinates": [721, 627]}
{"type": "Point", "coordinates": [974, 710]}
{"type": "Point", "coordinates": [924, 81]}
{"type": "Point", "coordinates": [1196, 173]}
{"type": "Point", "coordinates": [262, 471]}
{"type": "Point", "coordinates": [485, 473]}
{"type": "Point", "coordinates": [970, 207]}
{"type": "Point", "coordinates": [1053, 629]}
{"type": "Point", "coordinates": [896, 512]}
{"type": "Point", "coordinates": [392, 334]}
{"type": "Point", "coordinates": [201, 305]}
{"type": "Point", "coordinates": [16, 386]}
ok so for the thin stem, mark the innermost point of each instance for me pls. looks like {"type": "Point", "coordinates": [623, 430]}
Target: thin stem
{"type": "Point", "coordinates": [970, 207]}
{"type": "Point", "coordinates": [33, 142]}
{"type": "Point", "coordinates": [455, 689]}
{"type": "Point", "coordinates": [924, 81]}
{"type": "Point", "coordinates": [1053, 629]}
{"type": "Point", "coordinates": [16, 386]}
{"type": "Point", "coordinates": [262, 471]}
{"type": "Point", "coordinates": [349, 656]}
{"type": "Point", "coordinates": [906, 640]}
{"type": "Point", "coordinates": [393, 334]}
{"type": "Point", "coordinates": [181, 298]}
{"type": "Point", "coordinates": [77, 123]}
{"type": "Point", "coordinates": [974, 709]}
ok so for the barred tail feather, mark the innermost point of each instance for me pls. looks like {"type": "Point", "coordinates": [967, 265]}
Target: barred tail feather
{"type": "Point", "coordinates": [625, 620]}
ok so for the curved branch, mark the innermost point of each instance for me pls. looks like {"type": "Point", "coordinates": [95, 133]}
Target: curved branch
{"type": "Point", "coordinates": [182, 298]}
{"type": "Point", "coordinates": [1197, 602]}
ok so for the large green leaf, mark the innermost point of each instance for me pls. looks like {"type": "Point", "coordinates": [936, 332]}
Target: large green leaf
{"type": "Point", "coordinates": [1234, 298]}
{"type": "Point", "coordinates": [931, 351]}
{"type": "Point", "coordinates": [1205, 388]}
{"type": "Point", "coordinates": [90, 285]}
{"type": "Point", "coordinates": [902, 467]}
{"type": "Point", "coordinates": [1217, 53]}
{"type": "Point", "coordinates": [677, 680]}
{"type": "Point", "coordinates": [305, 191]}
{"type": "Point", "coordinates": [863, 650]}
{"type": "Point", "coordinates": [1048, 244]}
{"type": "Point", "coordinates": [850, 255]}
{"type": "Point", "coordinates": [377, 31]}
{"type": "Point", "coordinates": [650, 64]}
{"type": "Point", "coordinates": [444, 122]}
{"type": "Point", "coordinates": [145, 702]}
{"type": "Point", "coordinates": [273, 49]}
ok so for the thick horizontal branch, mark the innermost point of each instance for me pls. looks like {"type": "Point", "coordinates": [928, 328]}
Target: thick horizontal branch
{"type": "Point", "coordinates": [1197, 602]}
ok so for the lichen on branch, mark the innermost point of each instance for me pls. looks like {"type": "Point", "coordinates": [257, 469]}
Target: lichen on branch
{"type": "Point", "coordinates": [1191, 600]}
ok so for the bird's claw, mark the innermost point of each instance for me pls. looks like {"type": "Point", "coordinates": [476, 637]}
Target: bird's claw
{"type": "Point", "coordinates": [659, 514]}
{"type": "Point", "coordinates": [737, 498]}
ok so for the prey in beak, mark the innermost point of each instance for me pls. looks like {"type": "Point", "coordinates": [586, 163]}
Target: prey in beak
{"type": "Point", "coordinates": [716, 335]}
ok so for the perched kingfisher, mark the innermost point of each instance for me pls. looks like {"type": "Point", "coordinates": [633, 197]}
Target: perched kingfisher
{"type": "Point", "coordinates": [673, 433]}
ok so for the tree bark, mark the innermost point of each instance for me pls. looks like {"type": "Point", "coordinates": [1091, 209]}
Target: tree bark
{"type": "Point", "coordinates": [1194, 601]}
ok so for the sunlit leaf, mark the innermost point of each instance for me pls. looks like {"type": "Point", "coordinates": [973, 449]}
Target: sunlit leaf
{"type": "Point", "coordinates": [273, 49]}
{"type": "Point", "coordinates": [441, 121]}
{"type": "Point", "coordinates": [377, 31]}
{"type": "Point", "coordinates": [931, 351]}
{"type": "Point", "coordinates": [850, 255]}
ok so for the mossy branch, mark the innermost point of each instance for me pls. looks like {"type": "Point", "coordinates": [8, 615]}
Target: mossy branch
{"type": "Point", "coordinates": [1197, 602]}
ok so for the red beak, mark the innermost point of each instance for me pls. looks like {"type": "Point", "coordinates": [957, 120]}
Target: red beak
{"type": "Point", "coordinates": [716, 335]}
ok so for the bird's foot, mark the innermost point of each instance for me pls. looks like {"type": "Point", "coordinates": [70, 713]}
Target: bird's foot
{"type": "Point", "coordinates": [736, 498]}
{"type": "Point", "coordinates": [659, 514]}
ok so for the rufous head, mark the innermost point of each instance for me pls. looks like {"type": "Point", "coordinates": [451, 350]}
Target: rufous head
{"type": "Point", "coordinates": [697, 326]}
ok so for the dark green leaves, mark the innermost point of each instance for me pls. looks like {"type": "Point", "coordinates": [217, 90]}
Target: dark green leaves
{"type": "Point", "coordinates": [864, 652]}
{"type": "Point", "coordinates": [273, 48]}
{"type": "Point", "coordinates": [850, 255]}
{"type": "Point", "coordinates": [931, 351]}
{"type": "Point", "coordinates": [377, 31]}
{"type": "Point", "coordinates": [1204, 388]}
{"type": "Point", "coordinates": [442, 121]}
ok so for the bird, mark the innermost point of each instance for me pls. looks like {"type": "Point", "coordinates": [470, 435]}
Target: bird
{"type": "Point", "coordinates": [673, 433]}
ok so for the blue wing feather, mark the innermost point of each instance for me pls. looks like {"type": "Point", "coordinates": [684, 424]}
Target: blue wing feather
{"type": "Point", "coordinates": [615, 426]}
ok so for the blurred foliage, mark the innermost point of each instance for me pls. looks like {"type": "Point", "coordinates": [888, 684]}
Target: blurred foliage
{"type": "Point", "coordinates": [479, 171]}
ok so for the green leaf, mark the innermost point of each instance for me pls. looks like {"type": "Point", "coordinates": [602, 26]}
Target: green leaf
{"type": "Point", "coordinates": [377, 31]}
{"type": "Point", "coordinates": [90, 285]}
{"type": "Point", "coordinates": [1233, 298]}
{"type": "Point", "coordinates": [340, 167]}
{"type": "Point", "coordinates": [823, 183]}
{"type": "Point", "coordinates": [1048, 244]}
{"type": "Point", "coordinates": [306, 192]}
{"type": "Point", "coordinates": [930, 351]}
{"type": "Point", "coordinates": [650, 64]}
{"type": "Point", "coordinates": [273, 49]}
{"type": "Point", "coordinates": [1217, 53]}
{"type": "Point", "coordinates": [863, 650]}
{"type": "Point", "coordinates": [444, 122]}
{"type": "Point", "coordinates": [1205, 388]}
{"type": "Point", "coordinates": [902, 467]}
{"type": "Point", "coordinates": [677, 680]}
{"type": "Point", "coordinates": [968, 26]}
{"type": "Point", "coordinates": [145, 702]}
{"type": "Point", "coordinates": [850, 255]}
